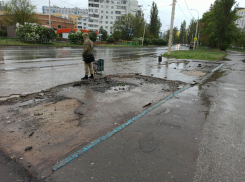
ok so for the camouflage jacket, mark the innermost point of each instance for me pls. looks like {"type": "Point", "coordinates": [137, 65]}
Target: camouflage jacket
{"type": "Point", "coordinates": [87, 47]}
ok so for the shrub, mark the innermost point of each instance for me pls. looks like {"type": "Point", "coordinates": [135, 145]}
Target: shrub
{"type": "Point", "coordinates": [33, 32]}
{"type": "Point", "coordinates": [225, 46]}
{"type": "Point", "coordinates": [3, 33]}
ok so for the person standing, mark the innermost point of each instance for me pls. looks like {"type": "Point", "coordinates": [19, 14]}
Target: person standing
{"type": "Point", "coordinates": [87, 49]}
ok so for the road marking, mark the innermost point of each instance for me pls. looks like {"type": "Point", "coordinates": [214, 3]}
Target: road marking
{"type": "Point", "coordinates": [109, 134]}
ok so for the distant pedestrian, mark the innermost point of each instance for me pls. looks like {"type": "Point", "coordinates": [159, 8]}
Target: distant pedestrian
{"type": "Point", "coordinates": [87, 50]}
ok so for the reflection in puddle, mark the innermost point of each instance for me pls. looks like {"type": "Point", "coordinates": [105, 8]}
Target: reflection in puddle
{"type": "Point", "coordinates": [177, 65]}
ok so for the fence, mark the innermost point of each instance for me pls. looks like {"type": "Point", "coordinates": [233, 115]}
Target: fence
{"type": "Point", "coordinates": [131, 43]}
{"type": "Point", "coordinates": [41, 42]}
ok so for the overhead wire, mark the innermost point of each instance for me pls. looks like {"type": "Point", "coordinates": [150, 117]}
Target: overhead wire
{"type": "Point", "coordinates": [182, 10]}
{"type": "Point", "coordinates": [188, 8]}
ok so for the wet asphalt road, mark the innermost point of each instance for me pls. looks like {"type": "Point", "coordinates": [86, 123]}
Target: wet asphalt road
{"type": "Point", "coordinates": [196, 136]}
{"type": "Point", "coordinates": [13, 58]}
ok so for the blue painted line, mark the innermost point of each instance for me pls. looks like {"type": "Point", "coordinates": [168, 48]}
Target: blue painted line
{"type": "Point", "coordinates": [109, 134]}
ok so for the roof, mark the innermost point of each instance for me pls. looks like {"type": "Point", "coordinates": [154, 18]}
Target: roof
{"type": "Point", "coordinates": [66, 30]}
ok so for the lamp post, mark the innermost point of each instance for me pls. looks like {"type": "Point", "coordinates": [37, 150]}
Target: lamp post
{"type": "Point", "coordinates": [144, 31]}
{"type": "Point", "coordinates": [196, 29]}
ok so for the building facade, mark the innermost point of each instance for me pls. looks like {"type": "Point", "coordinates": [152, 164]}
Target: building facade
{"type": "Point", "coordinates": [67, 11]}
{"type": "Point", "coordinates": [103, 13]}
{"type": "Point", "coordinates": [241, 21]}
{"type": "Point", "coordinates": [56, 22]}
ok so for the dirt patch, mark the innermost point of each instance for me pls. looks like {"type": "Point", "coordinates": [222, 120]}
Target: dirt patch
{"type": "Point", "coordinates": [194, 73]}
{"type": "Point", "coordinates": [40, 129]}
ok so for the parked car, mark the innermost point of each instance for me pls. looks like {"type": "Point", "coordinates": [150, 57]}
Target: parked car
{"type": "Point", "coordinates": [191, 45]}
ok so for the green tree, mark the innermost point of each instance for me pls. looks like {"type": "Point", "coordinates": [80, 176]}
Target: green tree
{"type": "Point", "coordinates": [92, 36]}
{"type": "Point", "coordinates": [175, 35]}
{"type": "Point", "coordinates": [104, 33]}
{"type": "Point", "coordinates": [224, 17]}
{"type": "Point", "coordinates": [129, 26]}
{"type": "Point", "coordinates": [155, 23]}
{"type": "Point", "coordinates": [19, 11]}
{"type": "Point", "coordinates": [182, 33]}
{"type": "Point", "coordinates": [191, 30]}
{"type": "Point", "coordinates": [218, 25]}
{"type": "Point", "coordinates": [117, 35]}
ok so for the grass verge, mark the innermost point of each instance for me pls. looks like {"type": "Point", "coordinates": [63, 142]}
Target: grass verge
{"type": "Point", "coordinates": [201, 53]}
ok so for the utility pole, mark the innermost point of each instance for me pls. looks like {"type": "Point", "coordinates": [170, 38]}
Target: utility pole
{"type": "Point", "coordinates": [49, 16]}
{"type": "Point", "coordinates": [171, 28]}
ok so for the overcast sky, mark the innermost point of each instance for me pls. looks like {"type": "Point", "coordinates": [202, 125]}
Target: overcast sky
{"type": "Point", "coordinates": [181, 11]}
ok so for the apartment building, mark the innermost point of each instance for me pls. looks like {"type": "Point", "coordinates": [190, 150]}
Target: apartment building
{"type": "Point", "coordinates": [241, 21]}
{"type": "Point", "coordinates": [78, 16]}
{"type": "Point", "coordinates": [105, 12]}
{"type": "Point", "coordinates": [70, 11]}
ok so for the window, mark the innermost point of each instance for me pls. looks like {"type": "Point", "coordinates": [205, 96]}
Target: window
{"type": "Point", "coordinates": [118, 12]}
{"type": "Point", "coordinates": [101, 16]}
{"type": "Point", "coordinates": [112, 7]}
{"type": "Point", "coordinates": [107, 7]}
{"type": "Point", "coordinates": [106, 17]}
{"type": "Point", "coordinates": [101, 11]}
{"type": "Point", "coordinates": [112, 12]}
{"type": "Point", "coordinates": [80, 27]}
{"type": "Point", "coordinates": [111, 17]}
{"type": "Point", "coordinates": [75, 27]}
{"type": "Point", "coordinates": [84, 24]}
{"type": "Point", "coordinates": [79, 23]}
{"type": "Point", "coordinates": [106, 22]}
{"type": "Point", "coordinates": [106, 27]}
{"type": "Point", "coordinates": [101, 6]}
{"type": "Point", "coordinates": [111, 22]}
{"type": "Point", "coordinates": [106, 12]}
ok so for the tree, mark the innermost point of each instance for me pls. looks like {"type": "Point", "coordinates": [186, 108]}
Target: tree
{"type": "Point", "coordinates": [182, 33]}
{"type": "Point", "coordinates": [129, 26]}
{"type": "Point", "coordinates": [218, 25]}
{"type": "Point", "coordinates": [155, 23]}
{"type": "Point", "coordinates": [92, 36]}
{"type": "Point", "coordinates": [104, 33]}
{"type": "Point", "coordinates": [19, 11]}
{"type": "Point", "coordinates": [117, 35]}
{"type": "Point", "coordinates": [175, 35]}
{"type": "Point", "coordinates": [224, 17]}
{"type": "Point", "coordinates": [191, 30]}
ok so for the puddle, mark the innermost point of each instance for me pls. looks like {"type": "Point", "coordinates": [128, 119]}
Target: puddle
{"type": "Point", "coordinates": [121, 88]}
{"type": "Point", "coordinates": [176, 65]}
{"type": "Point", "coordinates": [225, 59]}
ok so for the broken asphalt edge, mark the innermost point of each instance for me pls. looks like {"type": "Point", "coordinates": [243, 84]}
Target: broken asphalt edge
{"type": "Point", "coordinates": [109, 134]}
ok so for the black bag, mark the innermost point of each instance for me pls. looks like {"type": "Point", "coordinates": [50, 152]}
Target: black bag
{"type": "Point", "coordinates": [89, 58]}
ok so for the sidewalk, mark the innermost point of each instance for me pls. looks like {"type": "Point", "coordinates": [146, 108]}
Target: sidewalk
{"type": "Point", "coordinates": [198, 135]}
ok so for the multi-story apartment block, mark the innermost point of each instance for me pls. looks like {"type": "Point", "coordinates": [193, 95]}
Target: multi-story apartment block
{"type": "Point", "coordinates": [241, 21]}
{"type": "Point", "coordinates": [78, 16]}
{"type": "Point", "coordinates": [68, 11]}
{"type": "Point", "coordinates": [103, 13]}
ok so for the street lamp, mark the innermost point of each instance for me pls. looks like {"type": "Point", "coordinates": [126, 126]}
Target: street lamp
{"type": "Point", "coordinates": [196, 29]}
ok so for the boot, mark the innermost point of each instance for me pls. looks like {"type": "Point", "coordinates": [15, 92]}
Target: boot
{"type": "Point", "coordinates": [92, 76]}
{"type": "Point", "coordinates": [85, 78]}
